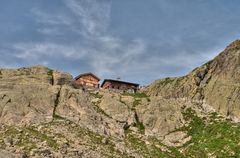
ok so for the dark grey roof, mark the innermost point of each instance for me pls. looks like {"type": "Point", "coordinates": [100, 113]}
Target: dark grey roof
{"type": "Point", "coordinates": [111, 80]}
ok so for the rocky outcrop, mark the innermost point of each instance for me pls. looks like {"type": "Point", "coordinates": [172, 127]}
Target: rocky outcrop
{"type": "Point", "coordinates": [76, 105]}
{"type": "Point", "coordinates": [27, 95]}
{"type": "Point", "coordinates": [216, 83]}
{"type": "Point", "coordinates": [176, 139]}
{"type": "Point", "coordinates": [161, 116]}
{"type": "Point", "coordinates": [42, 114]}
{"type": "Point", "coordinates": [36, 95]}
{"type": "Point", "coordinates": [112, 105]}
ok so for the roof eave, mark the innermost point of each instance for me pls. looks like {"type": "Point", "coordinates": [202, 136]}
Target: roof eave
{"type": "Point", "coordinates": [76, 78]}
{"type": "Point", "coordinates": [135, 84]}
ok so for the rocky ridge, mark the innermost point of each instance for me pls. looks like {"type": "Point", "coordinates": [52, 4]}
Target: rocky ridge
{"type": "Point", "coordinates": [35, 97]}
{"type": "Point", "coordinates": [215, 85]}
{"type": "Point", "coordinates": [43, 115]}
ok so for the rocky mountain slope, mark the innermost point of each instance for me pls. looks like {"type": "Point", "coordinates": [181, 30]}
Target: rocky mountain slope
{"type": "Point", "coordinates": [216, 84]}
{"type": "Point", "coordinates": [43, 115]}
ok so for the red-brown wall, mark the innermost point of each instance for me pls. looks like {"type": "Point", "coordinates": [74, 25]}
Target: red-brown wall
{"type": "Point", "coordinates": [88, 81]}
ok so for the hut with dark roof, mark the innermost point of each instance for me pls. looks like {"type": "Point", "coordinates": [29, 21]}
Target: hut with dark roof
{"type": "Point", "coordinates": [119, 85]}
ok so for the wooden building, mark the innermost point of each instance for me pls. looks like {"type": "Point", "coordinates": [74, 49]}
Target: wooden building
{"type": "Point", "coordinates": [87, 80]}
{"type": "Point", "coordinates": [119, 85]}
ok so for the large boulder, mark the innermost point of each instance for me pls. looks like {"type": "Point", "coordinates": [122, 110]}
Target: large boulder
{"type": "Point", "coordinates": [161, 116]}
{"type": "Point", "coordinates": [75, 105]}
{"type": "Point", "coordinates": [24, 104]}
{"type": "Point", "coordinates": [115, 107]}
{"type": "Point", "coordinates": [27, 95]}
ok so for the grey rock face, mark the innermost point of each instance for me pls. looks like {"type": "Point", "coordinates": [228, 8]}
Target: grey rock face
{"type": "Point", "coordinates": [215, 84]}
{"type": "Point", "coordinates": [6, 154]}
{"type": "Point", "coordinates": [36, 94]}
{"type": "Point", "coordinates": [76, 106]}
{"type": "Point", "coordinates": [176, 139]}
{"type": "Point", "coordinates": [26, 96]}
{"type": "Point", "coordinates": [161, 116]}
{"type": "Point", "coordinates": [41, 113]}
{"type": "Point", "coordinates": [113, 106]}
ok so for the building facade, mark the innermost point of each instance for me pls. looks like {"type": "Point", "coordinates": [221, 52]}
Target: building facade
{"type": "Point", "coordinates": [119, 85]}
{"type": "Point", "coordinates": [87, 80]}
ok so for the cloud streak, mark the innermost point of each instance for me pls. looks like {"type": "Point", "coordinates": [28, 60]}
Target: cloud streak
{"type": "Point", "coordinates": [93, 15]}
{"type": "Point", "coordinates": [136, 40]}
{"type": "Point", "coordinates": [108, 55]}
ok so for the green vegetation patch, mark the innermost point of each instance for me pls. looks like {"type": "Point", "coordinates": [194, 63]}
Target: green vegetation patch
{"type": "Point", "coordinates": [139, 124]}
{"type": "Point", "coordinates": [153, 149]}
{"type": "Point", "coordinates": [212, 137]}
{"type": "Point", "coordinates": [96, 95]}
{"type": "Point", "coordinates": [36, 134]}
{"type": "Point", "coordinates": [136, 102]}
{"type": "Point", "coordinates": [136, 95]}
{"type": "Point", "coordinates": [26, 138]}
{"type": "Point", "coordinates": [141, 127]}
{"type": "Point", "coordinates": [137, 98]}
{"type": "Point", "coordinates": [50, 72]}
{"type": "Point", "coordinates": [95, 141]}
{"type": "Point", "coordinates": [218, 137]}
{"type": "Point", "coordinates": [101, 111]}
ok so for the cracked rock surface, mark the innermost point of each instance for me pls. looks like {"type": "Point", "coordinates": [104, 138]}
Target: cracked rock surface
{"type": "Point", "coordinates": [216, 83]}
{"type": "Point", "coordinates": [43, 115]}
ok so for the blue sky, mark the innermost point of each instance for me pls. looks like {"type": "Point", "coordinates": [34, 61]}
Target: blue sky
{"type": "Point", "coordinates": [137, 40]}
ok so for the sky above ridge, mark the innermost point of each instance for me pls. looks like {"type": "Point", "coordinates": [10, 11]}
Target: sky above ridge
{"type": "Point", "coordinates": [136, 40]}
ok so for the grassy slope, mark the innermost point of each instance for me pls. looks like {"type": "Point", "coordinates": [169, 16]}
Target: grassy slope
{"type": "Point", "coordinates": [211, 137]}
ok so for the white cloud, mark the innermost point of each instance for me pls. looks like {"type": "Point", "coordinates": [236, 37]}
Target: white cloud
{"type": "Point", "coordinates": [117, 57]}
{"type": "Point", "coordinates": [107, 55]}
{"type": "Point", "coordinates": [93, 15]}
{"type": "Point", "coordinates": [33, 51]}
{"type": "Point", "coordinates": [75, 34]}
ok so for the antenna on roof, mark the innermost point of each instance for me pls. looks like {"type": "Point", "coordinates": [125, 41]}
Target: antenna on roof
{"type": "Point", "coordinates": [118, 78]}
